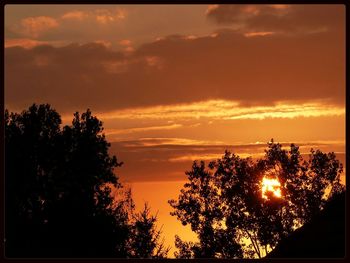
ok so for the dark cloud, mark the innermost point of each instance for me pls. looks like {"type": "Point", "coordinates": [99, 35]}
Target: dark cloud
{"type": "Point", "coordinates": [252, 70]}
{"type": "Point", "coordinates": [169, 162]}
{"type": "Point", "coordinates": [280, 18]}
{"type": "Point", "coordinates": [166, 162]}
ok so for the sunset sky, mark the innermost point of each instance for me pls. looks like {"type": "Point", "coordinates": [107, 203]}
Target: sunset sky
{"type": "Point", "coordinates": [177, 83]}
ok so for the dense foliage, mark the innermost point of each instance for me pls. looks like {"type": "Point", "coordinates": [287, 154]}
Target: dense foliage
{"type": "Point", "coordinates": [59, 184]}
{"type": "Point", "coordinates": [223, 203]}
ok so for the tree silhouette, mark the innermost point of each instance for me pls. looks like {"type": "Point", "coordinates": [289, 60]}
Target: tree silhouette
{"type": "Point", "coordinates": [145, 239]}
{"type": "Point", "coordinates": [200, 206]}
{"type": "Point", "coordinates": [58, 200]}
{"type": "Point", "coordinates": [224, 206]}
{"type": "Point", "coordinates": [30, 160]}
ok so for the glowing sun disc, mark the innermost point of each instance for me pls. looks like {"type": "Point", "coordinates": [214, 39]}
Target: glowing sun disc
{"type": "Point", "coordinates": [270, 185]}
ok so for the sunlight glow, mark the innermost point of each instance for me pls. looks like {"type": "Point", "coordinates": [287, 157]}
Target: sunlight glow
{"type": "Point", "coordinates": [225, 110]}
{"type": "Point", "coordinates": [270, 185]}
{"type": "Point", "coordinates": [254, 34]}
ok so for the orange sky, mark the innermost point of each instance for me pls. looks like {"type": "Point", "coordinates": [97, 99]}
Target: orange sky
{"type": "Point", "coordinates": [175, 83]}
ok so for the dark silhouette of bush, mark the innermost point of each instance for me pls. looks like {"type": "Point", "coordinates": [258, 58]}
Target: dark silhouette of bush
{"type": "Point", "coordinates": [58, 200]}
{"type": "Point", "coordinates": [145, 239]}
{"type": "Point", "coordinates": [224, 206]}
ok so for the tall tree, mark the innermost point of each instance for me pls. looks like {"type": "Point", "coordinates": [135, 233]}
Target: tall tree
{"type": "Point", "coordinates": [30, 159]}
{"type": "Point", "coordinates": [224, 201]}
{"type": "Point", "coordinates": [59, 182]}
{"type": "Point", "coordinates": [83, 185]}
{"type": "Point", "coordinates": [200, 206]}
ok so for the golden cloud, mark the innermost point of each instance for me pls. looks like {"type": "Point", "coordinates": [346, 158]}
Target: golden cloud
{"type": "Point", "coordinates": [211, 8]}
{"type": "Point", "coordinates": [104, 16]}
{"type": "Point", "coordinates": [75, 15]}
{"type": "Point", "coordinates": [209, 157]}
{"type": "Point", "coordinates": [279, 6]}
{"type": "Point", "coordinates": [101, 16]}
{"type": "Point", "coordinates": [154, 141]}
{"type": "Point", "coordinates": [142, 129]}
{"type": "Point", "coordinates": [254, 34]}
{"type": "Point", "coordinates": [226, 110]}
{"type": "Point", "coordinates": [105, 43]}
{"type": "Point", "coordinates": [125, 42]}
{"type": "Point", "coordinates": [35, 26]}
{"type": "Point", "coordinates": [279, 17]}
{"type": "Point", "coordinates": [26, 43]}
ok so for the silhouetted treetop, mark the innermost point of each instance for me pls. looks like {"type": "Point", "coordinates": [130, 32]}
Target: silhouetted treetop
{"type": "Point", "coordinates": [241, 207]}
{"type": "Point", "coordinates": [59, 185]}
{"type": "Point", "coordinates": [146, 240]}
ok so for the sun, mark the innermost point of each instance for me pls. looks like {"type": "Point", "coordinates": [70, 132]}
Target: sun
{"type": "Point", "coordinates": [271, 185]}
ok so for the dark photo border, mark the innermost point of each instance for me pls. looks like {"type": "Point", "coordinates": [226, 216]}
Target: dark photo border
{"type": "Point", "coordinates": [66, 2]}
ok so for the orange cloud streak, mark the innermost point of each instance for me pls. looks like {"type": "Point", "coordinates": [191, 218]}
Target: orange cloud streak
{"type": "Point", "coordinates": [229, 110]}
{"type": "Point", "coordinates": [35, 26]}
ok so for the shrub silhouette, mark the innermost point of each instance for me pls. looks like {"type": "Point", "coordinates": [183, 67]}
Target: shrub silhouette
{"type": "Point", "coordinates": [223, 203]}
{"type": "Point", "coordinates": [146, 240]}
{"type": "Point", "coordinates": [58, 200]}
